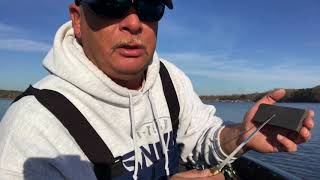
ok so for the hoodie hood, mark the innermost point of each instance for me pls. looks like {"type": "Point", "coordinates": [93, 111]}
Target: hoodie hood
{"type": "Point", "coordinates": [68, 61]}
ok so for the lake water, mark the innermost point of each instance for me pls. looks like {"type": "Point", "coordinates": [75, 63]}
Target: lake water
{"type": "Point", "coordinates": [304, 163]}
{"type": "Point", "coordinates": [4, 104]}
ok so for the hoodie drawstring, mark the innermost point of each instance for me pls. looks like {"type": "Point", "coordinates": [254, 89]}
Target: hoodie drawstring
{"type": "Point", "coordinates": [134, 136]}
{"type": "Point", "coordinates": [161, 134]}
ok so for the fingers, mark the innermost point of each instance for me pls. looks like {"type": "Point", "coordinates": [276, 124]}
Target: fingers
{"type": "Point", "coordinates": [194, 173]}
{"type": "Point", "coordinates": [197, 174]}
{"type": "Point", "coordinates": [287, 144]}
{"type": "Point", "coordinates": [291, 146]}
{"type": "Point", "coordinates": [309, 122]}
{"type": "Point", "coordinates": [270, 98]}
{"type": "Point", "coordinates": [304, 136]}
{"type": "Point", "coordinates": [305, 132]}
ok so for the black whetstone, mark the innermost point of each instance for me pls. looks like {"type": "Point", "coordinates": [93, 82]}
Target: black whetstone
{"type": "Point", "coordinates": [285, 117]}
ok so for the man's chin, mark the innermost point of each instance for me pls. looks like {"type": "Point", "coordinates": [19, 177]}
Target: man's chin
{"type": "Point", "coordinates": [132, 66]}
{"type": "Point", "coordinates": [131, 73]}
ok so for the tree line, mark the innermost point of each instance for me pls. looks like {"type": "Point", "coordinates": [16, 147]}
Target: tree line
{"type": "Point", "coordinates": [4, 94]}
{"type": "Point", "coordinates": [292, 95]}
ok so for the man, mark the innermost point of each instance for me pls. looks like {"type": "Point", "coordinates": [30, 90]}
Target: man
{"type": "Point", "coordinates": [104, 63]}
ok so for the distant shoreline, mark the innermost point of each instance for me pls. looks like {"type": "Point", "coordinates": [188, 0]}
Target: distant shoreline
{"type": "Point", "coordinates": [240, 101]}
{"type": "Point", "coordinates": [8, 94]}
{"type": "Point", "coordinates": [227, 101]}
{"type": "Point", "coordinates": [7, 98]}
{"type": "Point", "coordinates": [308, 95]}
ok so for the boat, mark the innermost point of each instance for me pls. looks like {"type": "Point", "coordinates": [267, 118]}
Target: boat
{"type": "Point", "coordinates": [247, 168]}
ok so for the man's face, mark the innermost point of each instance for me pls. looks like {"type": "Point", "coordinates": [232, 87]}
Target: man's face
{"type": "Point", "coordinates": [121, 48]}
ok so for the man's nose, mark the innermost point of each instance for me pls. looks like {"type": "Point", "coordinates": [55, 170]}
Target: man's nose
{"type": "Point", "coordinates": [131, 23]}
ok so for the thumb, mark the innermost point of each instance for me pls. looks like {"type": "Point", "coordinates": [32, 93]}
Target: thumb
{"type": "Point", "coordinates": [272, 97]}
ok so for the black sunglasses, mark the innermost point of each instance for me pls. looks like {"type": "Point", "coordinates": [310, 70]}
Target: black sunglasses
{"type": "Point", "coordinates": [147, 10]}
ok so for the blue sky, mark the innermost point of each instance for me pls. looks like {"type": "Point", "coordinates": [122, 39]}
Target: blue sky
{"type": "Point", "coordinates": [225, 47]}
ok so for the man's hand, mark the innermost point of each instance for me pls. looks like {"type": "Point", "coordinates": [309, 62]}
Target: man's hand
{"type": "Point", "coordinates": [275, 139]}
{"type": "Point", "coordinates": [197, 175]}
{"type": "Point", "coordinates": [271, 138]}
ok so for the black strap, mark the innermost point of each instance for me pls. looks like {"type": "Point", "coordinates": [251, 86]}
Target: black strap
{"type": "Point", "coordinates": [105, 165]}
{"type": "Point", "coordinates": [171, 97]}
{"type": "Point", "coordinates": [78, 126]}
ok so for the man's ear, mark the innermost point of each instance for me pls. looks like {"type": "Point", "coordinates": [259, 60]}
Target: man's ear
{"type": "Point", "coordinates": [75, 15]}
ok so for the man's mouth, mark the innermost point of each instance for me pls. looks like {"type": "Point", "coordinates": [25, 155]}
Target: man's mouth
{"type": "Point", "coordinates": [131, 50]}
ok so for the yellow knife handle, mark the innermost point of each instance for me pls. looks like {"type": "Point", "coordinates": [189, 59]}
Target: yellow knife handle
{"type": "Point", "coordinates": [214, 171]}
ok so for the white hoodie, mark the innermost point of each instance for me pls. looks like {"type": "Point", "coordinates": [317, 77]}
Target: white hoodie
{"type": "Point", "coordinates": [35, 145]}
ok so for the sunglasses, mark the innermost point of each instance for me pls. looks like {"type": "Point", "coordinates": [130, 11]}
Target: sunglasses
{"type": "Point", "coordinates": [147, 10]}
